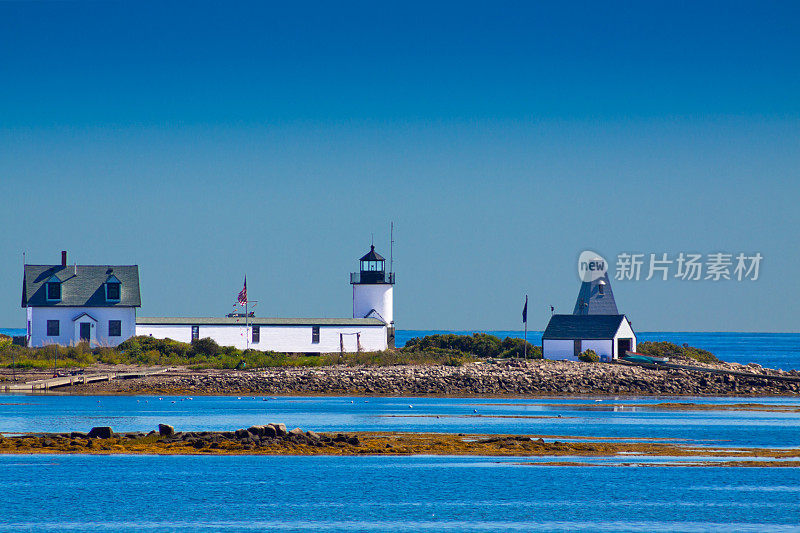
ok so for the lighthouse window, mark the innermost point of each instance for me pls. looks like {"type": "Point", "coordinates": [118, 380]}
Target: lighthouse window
{"type": "Point", "coordinates": [195, 333]}
{"type": "Point", "coordinates": [52, 328]}
{"type": "Point", "coordinates": [315, 334]}
{"type": "Point", "coordinates": [256, 334]}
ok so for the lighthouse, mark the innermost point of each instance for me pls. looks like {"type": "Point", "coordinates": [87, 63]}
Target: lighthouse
{"type": "Point", "coordinates": [372, 289]}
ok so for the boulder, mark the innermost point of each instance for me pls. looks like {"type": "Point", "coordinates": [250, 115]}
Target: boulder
{"type": "Point", "coordinates": [296, 432]}
{"type": "Point", "coordinates": [312, 435]}
{"type": "Point", "coordinates": [257, 430]}
{"type": "Point", "coordinates": [77, 435]}
{"type": "Point", "coordinates": [241, 434]}
{"type": "Point", "coordinates": [269, 431]}
{"type": "Point", "coordinates": [165, 430]}
{"type": "Point", "coordinates": [280, 430]}
{"type": "Point", "coordinates": [100, 432]}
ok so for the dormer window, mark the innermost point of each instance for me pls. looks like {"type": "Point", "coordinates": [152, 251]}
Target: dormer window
{"type": "Point", "coordinates": [53, 287]}
{"type": "Point", "coordinates": [113, 289]}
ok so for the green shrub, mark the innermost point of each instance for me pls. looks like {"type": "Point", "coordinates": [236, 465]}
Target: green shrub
{"type": "Point", "coordinates": [206, 346]}
{"type": "Point", "coordinates": [480, 345]}
{"type": "Point", "coordinates": [671, 350]}
{"type": "Point", "coordinates": [589, 356]}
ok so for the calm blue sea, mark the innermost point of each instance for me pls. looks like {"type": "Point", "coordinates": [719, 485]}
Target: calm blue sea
{"type": "Point", "coordinates": [421, 493]}
{"type": "Point", "coordinates": [353, 494]}
{"type": "Point", "coordinates": [771, 350]}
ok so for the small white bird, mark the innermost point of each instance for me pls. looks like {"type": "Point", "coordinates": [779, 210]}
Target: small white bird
{"type": "Point", "coordinates": [410, 406]}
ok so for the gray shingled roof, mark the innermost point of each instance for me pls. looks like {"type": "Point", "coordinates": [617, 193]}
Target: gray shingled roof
{"type": "Point", "coordinates": [582, 326]}
{"type": "Point", "coordinates": [86, 288]}
{"type": "Point", "coordinates": [257, 321]}
{"type": "Point", "coordinates": [591, 302]}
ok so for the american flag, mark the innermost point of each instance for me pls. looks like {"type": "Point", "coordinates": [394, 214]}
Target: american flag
{"type": "Point", "coordinates": [243, 293]}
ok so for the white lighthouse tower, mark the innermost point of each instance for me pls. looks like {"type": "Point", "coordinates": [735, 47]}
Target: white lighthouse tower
{"type": "Point", "coordinates": [372, 291]}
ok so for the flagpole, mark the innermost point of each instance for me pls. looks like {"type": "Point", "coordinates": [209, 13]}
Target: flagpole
{"type": "Point", "coordinates": [526, 341]}
{"type": "Point", "coordinates": [246, 316]}
{"type": "Point", "coordinates": [525, 322]}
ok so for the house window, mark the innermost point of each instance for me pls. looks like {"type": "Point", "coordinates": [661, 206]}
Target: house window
{"type": "Point", "coordinates": [54, 291]}
{"type": "Point", "coordinates": [315, 334]}
{"type": "Point", "coordinates": [195, 333]}
{"type": "Point", "coordinates": [112, 291]}
{"type": "Point", "coordinates": [53, 328]}
{"type": "Point", "coordinates": [115, 328]}
{"type": "Point", "coordinates": [256, 334]}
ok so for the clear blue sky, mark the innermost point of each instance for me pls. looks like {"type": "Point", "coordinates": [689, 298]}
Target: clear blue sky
{"type": "Point", "coordinates": [204, 141]}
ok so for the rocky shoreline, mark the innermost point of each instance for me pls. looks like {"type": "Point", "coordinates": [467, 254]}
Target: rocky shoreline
{"type": "Point", "coordinates": [499, 378]}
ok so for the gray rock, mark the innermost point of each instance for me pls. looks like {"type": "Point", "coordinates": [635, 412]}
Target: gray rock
{"type": "Point", "coordinates": [312, 435]}
{"type": "Point", "coordinates": [77, 435]}
{"type": "Point", "coordinates": [269, 431]}
{"type": "Point", "coordinates": [296, 432]}
{"type": "Point", "coordinates": [100, 432]}
{"type": "Point", "coordinates": [280, 430]}
{"type": "Point", "coordinates": [165, 430]}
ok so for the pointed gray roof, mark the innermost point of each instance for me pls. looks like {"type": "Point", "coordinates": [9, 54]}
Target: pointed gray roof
{"type": "Point", "coordinates": [81, 286]}
{"type": "Point", "coordinates": [372, 255]}
{"type": "Point", "coordinates": [591, 301]}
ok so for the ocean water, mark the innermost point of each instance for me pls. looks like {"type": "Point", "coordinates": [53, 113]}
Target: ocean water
{"type": "Point", "coordinates": [422, 493]}
{"type": "Point", "coordinates": [418, 493]}
{"type": "Point", "coordinates": [596, 417]}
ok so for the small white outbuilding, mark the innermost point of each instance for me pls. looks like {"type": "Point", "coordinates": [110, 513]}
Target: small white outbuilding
{"type": "Point", "coordinates": [567, 336]}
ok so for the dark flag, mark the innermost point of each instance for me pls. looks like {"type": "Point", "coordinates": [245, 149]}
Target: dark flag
{"type": "Point", "coordinates": [243, 293]}
{"type": "Point", "coordinates": [525, 311]}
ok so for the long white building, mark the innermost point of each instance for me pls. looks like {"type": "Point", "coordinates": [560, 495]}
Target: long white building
{"type": "Point", "coordinates": [371, 327]}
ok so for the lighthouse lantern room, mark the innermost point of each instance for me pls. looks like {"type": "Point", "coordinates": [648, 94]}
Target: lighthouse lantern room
{"type": "Point", "coordinates": [372, 289]}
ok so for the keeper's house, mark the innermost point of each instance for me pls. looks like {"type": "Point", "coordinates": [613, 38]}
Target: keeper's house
{"type": "Point", "coordinates": [595, 324]}
{"type": "Point", "coordinates": [69, 304]}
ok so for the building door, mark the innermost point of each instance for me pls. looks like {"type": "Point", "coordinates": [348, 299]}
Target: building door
{"type": "Point", "coordinates": [623, 345]}
{"type": "Point", "coordinates": [86, 331]}
{"type": "Point", "coordinates": [576, 347]}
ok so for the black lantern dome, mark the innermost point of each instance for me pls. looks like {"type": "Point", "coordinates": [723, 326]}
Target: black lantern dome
{"type": "Point", "coordinates": [372, 270]}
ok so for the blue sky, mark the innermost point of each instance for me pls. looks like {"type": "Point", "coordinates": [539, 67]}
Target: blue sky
{"type": "Point", "coordinates": [204, 141]}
